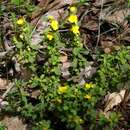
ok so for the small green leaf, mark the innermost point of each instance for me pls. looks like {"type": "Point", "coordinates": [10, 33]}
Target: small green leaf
{"type": "Point", "coordinates": [19, 45]}
{"type": "Point", "coordinates": [16, 2]}
{"type": "Point", "coordinates": [78, 127]}
{"type": "Point", "coordinates": [35, 47]}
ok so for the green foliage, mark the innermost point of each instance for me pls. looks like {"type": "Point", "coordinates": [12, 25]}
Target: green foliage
{"type": "Point", "coordinates": [128, 2]}
{"type": "Point", "coordinates": [65, 104]}
{"type": "Point", "coordinates": [2, 126]}
{"type": "Point", "coordinates": [17, 2]}
{"type": "Point", "coordinates": [114, 68]}
{"type": "Point", "coordinates": [109, 123]}
{"type": "Point", "coordinates": [85, 2]}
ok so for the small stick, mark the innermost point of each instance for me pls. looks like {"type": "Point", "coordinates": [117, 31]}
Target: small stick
{"type": "Point", "coordinates": [99, 26]}
{"type": "Point", "coordinates": [10, 86]}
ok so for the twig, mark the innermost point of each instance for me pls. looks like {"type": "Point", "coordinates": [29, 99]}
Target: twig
{"type": "Point", "coordinates": [112, 29]}
{"type": "Point", "coordinates": [84, 14]}
{"type": "Point", "coordinates": [99, 26]}
{"type": "Point", "coordinates": [10, 86]}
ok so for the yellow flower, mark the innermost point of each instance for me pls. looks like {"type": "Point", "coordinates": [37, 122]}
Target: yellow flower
{"type": "Point", "coordinates": [62, 89]}
{"type": "Point", "coordinates": [73, 19]}
{"type": "Point", "coordinates": [88, 85]}
{"type": "Point", "coordinates": [20, 21]}
{"type": "Point", "coordinates": [75, 29]}
{"type": "Point", "coordinates": [50, 17]}
{"type": "Point", "coordinates": [73, 9]}
{"type": "Point", "coordinates": [87, 96]}
{"type": "Point", "coordinates": [54, 25]}
{"type": "Point", "coordinates": [50, 37]}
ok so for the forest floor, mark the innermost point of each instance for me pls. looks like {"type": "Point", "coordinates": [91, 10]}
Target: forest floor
{"type": "Point", "coordinates": [64, 64]}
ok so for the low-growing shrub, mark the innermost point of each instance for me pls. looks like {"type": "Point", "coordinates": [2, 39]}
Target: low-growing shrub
{"type": "Point", "coordinates": [61, 103]}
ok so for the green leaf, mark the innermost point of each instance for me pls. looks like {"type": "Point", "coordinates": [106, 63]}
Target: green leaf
{"type": "Point", "coordinates": [76, 51]}
{"type": "Point", "coordinates": [78, 127]}
{"type": "Point", "coordinates": [74, 62]}
{"type": "Point", "coordinates": [65, 108]}
{"type": "Point", "coordinates": [34, 128]}
{"type": "Point", "coordinates": [35, 47]}
{"type": "Point", "coordinates": [16, 2]}
{"type": "Point", "coordinates": [19, 45]}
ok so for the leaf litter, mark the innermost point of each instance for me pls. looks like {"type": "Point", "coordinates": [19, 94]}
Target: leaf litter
{"type": "Point", "coordinates": [111, 21]}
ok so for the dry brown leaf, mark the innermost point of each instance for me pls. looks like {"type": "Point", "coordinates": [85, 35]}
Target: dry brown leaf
{"type": "Point", "coordinates": [55, 9]}
{"type": "Point", "coordinates": [125, 35]}
{"type": "Point", "coordinates": [63, 57]}
{"type": "Point", "coordinates": [42, 3]}
{"type": "Point", "coordinates": [14, 123]}
{"type": "Point", "coordinates": [89, 71]}
{"type": "Point", "coordinates": [42, 24]}
{"type": "Point", "coordinates": [65, 65]}
{"type": "Point", "coordinates": [3, 84]}
{"type": "Point", "coordinates": [107, 45]}
{"type": "Point", "coordinates": [86, 73]}
{"type": "Point", "coordinates": [45, 6]}
{"type": "Point", "coordinates": [42, 6]}
{"type": "Point", "coordinates": [118, 16]}
{"type": "Point", "coordinates": [91, 25]}
{"type": "Point", "coordinates": [65, 74]}
{"type": "Point", "coordinates": [107, 50]}
{"type": "Point", "coordinates": [65, 70]}
{"type": "Point", "coordinates": [58, 4]}
{"type": "Point", "coordinates": [35, 94]}
{"type": "Point", "coordinates": [114, 99]}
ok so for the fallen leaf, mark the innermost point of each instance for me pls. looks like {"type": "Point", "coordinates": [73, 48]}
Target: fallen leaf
{"type": "Point", "coordinates": [3, 84]}
{"type": "Point", "coordinates": [107, 45]}
{"type": "Point", "coordinates": [89, 71]}
{"type": "Point", "coordinates": [119, 16]}
{"type": "Point", "coordinates": [35, 93]}
{"type": "Point", "coordinates": [55, 9]}
{"type": "Point", "coordinates": [63, 57]}
{"type": "Point", "coordinates": [107, 50]}
{"type": "Point", "coordinates": [91, 25]}
{"type": "Point", "coordinates": [114, 99]}
{"type": "Point", "coordinates": [65, 74]}
{"type": "Point", "coordinates": [65, 70]}
{"type": "Point", "coordinates": [65, 65]}
{"type": "Point", "coordinates": [14, 123]}
{"type": "Point", "coordinates": [82, 81]}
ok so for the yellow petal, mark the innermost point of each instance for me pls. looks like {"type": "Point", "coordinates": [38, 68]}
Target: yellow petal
{"type": "Point", "coordinates": [20, 21]}
{"type": "Point", "coordinates": [88, 85]}
{"type": "Point", "coordinates": [73, 9]}
{"type": "Point", "coordinates": [73, 19]}
{"type": "Point", "coordinates": [62, 89]}
{"type": "Point", "coordinates": [54, 25]}
{"type": "Point", "coordinates": [50, 37]}
{"type": "Point", "coordinates": [87, 96]}
{"type": "Point", "coordinates": [50, 17]}
{"type": "Point", "coordinates": [75, 29]}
